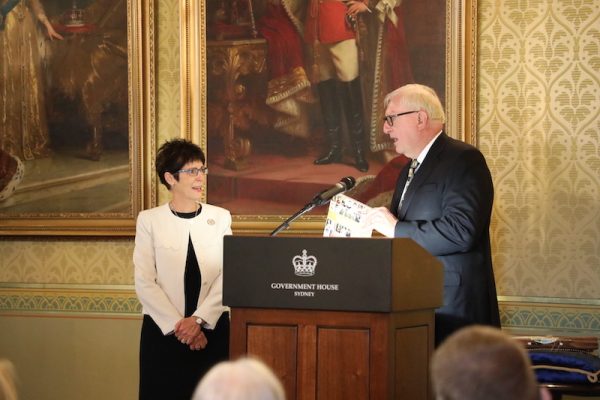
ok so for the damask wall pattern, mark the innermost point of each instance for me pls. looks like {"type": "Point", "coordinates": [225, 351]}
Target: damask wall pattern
{"type": "Point", "coordinates": [538, 118]}
{"type": "Point", "coordinates": [67, 262]}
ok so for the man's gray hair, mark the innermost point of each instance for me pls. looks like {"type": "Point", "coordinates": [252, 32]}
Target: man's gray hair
{"type": "Point", "coordinates": [418, 97]}
{"type": "Point", "coordinates": [481, 362]}
{"type": "Point", "coordinates": [245, 378]}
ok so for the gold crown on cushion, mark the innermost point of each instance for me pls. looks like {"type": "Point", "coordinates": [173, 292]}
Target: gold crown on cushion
{"type": "Point", "coordinates": [304, 265]}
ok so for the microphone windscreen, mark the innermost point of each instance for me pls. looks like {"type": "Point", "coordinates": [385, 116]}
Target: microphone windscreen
{"type": "Point", "coordinates": [349, 182]}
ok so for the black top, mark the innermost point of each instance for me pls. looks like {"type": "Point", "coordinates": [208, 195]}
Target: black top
{"type": "Point", "coordinates": [192, 276]}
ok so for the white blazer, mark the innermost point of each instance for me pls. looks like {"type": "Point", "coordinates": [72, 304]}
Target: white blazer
{"type": "Point", "coordinates": [159, 256]}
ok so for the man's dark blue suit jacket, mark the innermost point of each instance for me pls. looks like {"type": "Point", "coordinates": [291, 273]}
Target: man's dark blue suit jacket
{"type": "Point", "coordinates": [447, 210]}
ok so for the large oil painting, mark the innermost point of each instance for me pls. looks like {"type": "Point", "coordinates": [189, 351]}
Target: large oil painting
{"type": "Point", "coordinates": [288, 112]}
{"type": "Point", "coordinates": [70, 143]}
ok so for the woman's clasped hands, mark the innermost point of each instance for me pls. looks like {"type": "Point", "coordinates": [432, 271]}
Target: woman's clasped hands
{"type": "Point", "coordinates": [189, 332]}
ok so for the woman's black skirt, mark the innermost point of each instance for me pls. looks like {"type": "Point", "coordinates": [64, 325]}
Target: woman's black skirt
{"type": "Point", "coordinates": [169, 369]}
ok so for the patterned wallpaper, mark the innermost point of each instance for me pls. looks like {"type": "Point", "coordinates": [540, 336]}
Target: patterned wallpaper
{"type": "Point", "coordinates": [539, 127]}
{"type": "Point", "coordinates": [67, 262]}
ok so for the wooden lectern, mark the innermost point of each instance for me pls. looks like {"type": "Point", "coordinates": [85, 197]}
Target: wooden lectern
{"type": "Point", "coordinates": [336, 318]}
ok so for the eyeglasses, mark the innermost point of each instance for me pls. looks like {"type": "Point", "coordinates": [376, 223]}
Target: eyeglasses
{"type": "Point", "coordinates": [194, 171]}
{"type": "Point", "coordinates": [390, 118]}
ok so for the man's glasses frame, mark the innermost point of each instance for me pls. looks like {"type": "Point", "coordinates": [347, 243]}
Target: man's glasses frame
{"type": "Point", "coordinates": [390, 118]}
{"type": "Point", "coordinates": [194, 171]}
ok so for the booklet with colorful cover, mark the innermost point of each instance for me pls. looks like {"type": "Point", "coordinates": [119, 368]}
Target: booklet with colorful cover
{"type": "Point", "coordinates": [344, 218]}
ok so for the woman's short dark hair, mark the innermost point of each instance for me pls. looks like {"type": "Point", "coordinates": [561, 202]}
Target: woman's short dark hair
{"type": "Point", "coordinates": [173, 155]}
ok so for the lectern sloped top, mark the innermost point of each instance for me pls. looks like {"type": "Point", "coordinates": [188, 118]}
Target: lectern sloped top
{"type": "Point", "coordinates": [346, 274]}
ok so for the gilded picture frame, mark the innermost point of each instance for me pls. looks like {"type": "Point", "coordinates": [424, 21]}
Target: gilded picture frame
{"type": "Point", "coordinates": [123, 32]}
{"type": "Point", "coordinates": [458, 92]}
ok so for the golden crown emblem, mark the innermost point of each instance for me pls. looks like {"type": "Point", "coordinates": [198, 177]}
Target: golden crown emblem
{"type": "Point", "coordinates": [304, 265]}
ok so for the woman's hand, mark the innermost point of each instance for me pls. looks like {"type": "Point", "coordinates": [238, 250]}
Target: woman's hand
{"type": "Point", "coordinates": [199, 342]}
{"type": "Point", "coordinates": [52, 34]}
{"type": "Point", "coordinates": [187, 329]}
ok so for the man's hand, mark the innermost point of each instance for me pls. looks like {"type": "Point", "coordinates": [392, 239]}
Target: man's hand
{"type": "Point", "coordinates": [382, 220]}
{"type": "Point", "coordinates": [356, 7]}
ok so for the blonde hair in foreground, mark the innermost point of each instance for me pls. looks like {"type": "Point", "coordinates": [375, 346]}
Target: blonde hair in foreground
{"type": "Point", "coordinates": [8, 389]}
{"type": "Point", "coordinates": [246, 378]}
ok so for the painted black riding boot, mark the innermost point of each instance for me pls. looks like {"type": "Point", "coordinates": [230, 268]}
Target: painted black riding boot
{"type": "Point", "coordinates": [353, 108]}
{"type": "Point", "coordinates": [330, 108]}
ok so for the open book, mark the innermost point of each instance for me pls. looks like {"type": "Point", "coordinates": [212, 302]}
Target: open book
{"type": "Point", "coordinates": [344, 218]}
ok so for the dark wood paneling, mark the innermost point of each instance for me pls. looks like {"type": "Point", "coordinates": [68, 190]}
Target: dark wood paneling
{"type": "Point", "coordinates": [342, 363]}
{"type": "Point", "coordinates": [337, 354]}
{"type": "Point", "coordinates": [307, 352]}
{"type": "Point", "coordinates": [411, 362]}
{"type": "Point", "coordinates": [277, 346]}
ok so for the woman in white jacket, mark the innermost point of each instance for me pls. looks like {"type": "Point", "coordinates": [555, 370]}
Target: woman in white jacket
{"type": "Point", "coordinates": [178, 260]}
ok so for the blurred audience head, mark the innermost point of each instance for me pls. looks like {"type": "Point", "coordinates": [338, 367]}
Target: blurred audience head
{"type": "Point", "coordinates": [8, 389]}
{"type": "Point", "coordinates": [479, 362]}
{"type": "Point", "coordinates": [246, 378]}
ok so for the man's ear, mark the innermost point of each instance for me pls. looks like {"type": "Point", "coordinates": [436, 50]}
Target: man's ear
{"type": "Point", "coordinates": [422, 119]}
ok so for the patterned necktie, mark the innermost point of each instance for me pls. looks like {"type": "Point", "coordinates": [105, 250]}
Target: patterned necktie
{"type": "Point", "coordinates": [414, 164]}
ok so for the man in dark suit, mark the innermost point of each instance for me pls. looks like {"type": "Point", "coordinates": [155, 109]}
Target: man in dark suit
{"type": "Point", "coordinates": [445, 206]}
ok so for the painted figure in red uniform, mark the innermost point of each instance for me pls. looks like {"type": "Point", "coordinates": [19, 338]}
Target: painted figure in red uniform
{"type": "Point", "coordinates": [329, 29]}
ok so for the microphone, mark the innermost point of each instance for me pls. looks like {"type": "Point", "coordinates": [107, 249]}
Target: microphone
{"type": "Point", "coordinates": [343, 185]}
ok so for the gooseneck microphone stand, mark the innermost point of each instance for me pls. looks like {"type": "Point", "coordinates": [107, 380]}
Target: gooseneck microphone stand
{"type": "Point", "coordinates": [322, 198]}
{"type": "Point", "coordinates": [316, 201]}
{"type": "Point", "coordinates": [286, 223]}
